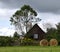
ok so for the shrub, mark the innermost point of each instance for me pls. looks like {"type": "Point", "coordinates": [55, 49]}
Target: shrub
{"type": "Point", "coordinates": [26, 41]}
{"type": "Point", "coordinates": [53, 42]}
{"type": "Point", "coordinates": [43, 42]}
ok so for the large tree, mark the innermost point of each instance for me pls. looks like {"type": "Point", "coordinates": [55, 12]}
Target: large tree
{"type": "Point", "coordinates": [23, 18]}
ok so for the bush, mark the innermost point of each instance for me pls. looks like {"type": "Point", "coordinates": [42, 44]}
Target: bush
{"type": "Point", "coordinates": [28, 41]}
{"type": "Point", "coordinates": [53, 42]}
{"type": "Point", "coordinates": [43, 42]}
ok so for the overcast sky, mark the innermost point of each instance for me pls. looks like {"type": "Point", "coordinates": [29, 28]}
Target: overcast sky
{"type": "Point", "coordinates": [48, 11]}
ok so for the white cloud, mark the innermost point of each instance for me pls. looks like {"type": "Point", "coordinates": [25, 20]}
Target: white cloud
{"type": "Point", "coordinates": [5, 28]}
{"type": "Point", "coordinates": [6, 31]}
{"type": "Point", "coordinates": [6, 13]}
{"type": "Point", "coordinates": [49, 17]}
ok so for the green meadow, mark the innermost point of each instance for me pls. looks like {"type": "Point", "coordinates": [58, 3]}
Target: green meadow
{"type": "Point", "coordinates": [30, 49]}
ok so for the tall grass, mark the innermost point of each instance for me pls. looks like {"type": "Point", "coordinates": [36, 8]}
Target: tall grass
{"type": "Point", "coordinates": [30, 49]}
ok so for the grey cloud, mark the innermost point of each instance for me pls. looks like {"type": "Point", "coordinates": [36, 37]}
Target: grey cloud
{"type": "Point", "coordinates": [39, 5]}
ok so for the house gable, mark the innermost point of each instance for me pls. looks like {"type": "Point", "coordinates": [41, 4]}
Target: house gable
{"type": "Point", "coordinates": [37, 31]}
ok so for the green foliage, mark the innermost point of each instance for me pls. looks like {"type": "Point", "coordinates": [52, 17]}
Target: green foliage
{"type": "Point", "coordinates": [16, 35]}
{"type": "Point", "coordinates": [28, 41]}
{"type": "Point", "coordinates": [14, 41]}
{"type": "Point", "coordinates": [58, 32]}
{"type": "Point", "coordinates": [6, 41]}
{"type": "Point", "coordinates": [29, 9]}
{"type": "Point", "coordinates": [51, 33]}
{"type": "Point", "coordinates": [9, 41]}
{"type": "Point", "coordinates": [21, 12]}
{"type": "Point", "coordinates": [54, 33]}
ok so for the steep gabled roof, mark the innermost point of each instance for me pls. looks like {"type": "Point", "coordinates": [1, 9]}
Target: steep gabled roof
{"type": "Point", "coordinates": [34, 28]}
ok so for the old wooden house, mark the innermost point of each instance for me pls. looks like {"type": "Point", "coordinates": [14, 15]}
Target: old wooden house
{"type": "Point", "coordinates": [35, 33]}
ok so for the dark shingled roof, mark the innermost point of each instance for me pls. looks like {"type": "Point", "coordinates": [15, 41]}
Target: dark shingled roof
{"type": "Point", "coordinates": [36, 30]}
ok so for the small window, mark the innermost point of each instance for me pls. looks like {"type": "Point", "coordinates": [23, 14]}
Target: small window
{"type": "Point", "coordinates": [35, 36]}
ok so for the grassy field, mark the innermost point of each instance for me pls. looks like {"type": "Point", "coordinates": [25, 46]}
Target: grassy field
{"type": "Point", "coordinates": [30, 49]}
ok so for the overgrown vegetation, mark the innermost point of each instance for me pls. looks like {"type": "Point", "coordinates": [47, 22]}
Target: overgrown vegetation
{"type": "Point", "coordinates": [17, 41]}
{"type": "Point", "coordinates": [53, 33]}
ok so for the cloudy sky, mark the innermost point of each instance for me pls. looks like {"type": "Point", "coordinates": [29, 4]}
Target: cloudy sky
{"type": "Point", "coordinates": [48, 11]}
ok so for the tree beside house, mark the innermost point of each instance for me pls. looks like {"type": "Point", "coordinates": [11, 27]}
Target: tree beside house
{"type": "Point", "coordinates": [23, 18]}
